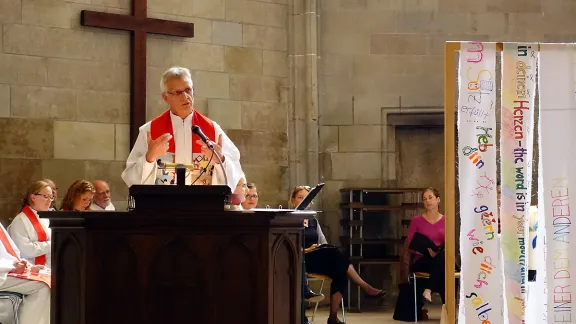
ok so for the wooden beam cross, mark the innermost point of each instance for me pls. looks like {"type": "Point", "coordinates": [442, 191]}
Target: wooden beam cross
{"type": "Point", "coordinates": [139, 25]}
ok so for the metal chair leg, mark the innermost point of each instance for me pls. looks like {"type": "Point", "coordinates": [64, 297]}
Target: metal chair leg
{"type": "Point", "coordinates": [343, 311]}
{"type": "Point", "coordinates": [415, 299]}
{"type": "Point", "coordinates": [15, 301]}
{"type": "Point", "coordinates": [16, 306]}
{"type": "Point", "coordinates": [316, 306]}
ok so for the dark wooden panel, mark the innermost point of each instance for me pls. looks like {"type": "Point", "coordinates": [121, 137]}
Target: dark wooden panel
{"type": "Point", "coordinates": [149, 268]}
{"type": "Point", "coordinates": [121, 266]}
{"type": "Point", "coordinates": [68, 290]}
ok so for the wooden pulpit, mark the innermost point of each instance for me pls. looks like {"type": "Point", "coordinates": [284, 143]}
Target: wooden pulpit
{"type": "Point", "coordinates": [177, 257]}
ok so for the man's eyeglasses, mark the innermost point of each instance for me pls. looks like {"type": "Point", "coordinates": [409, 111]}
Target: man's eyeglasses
{"type": "Point", "coordinates": [251, 196]}
{"type": "Point", "coordinates": [51, 198]}
{"type": "Point", "coordinates": [180, 92]}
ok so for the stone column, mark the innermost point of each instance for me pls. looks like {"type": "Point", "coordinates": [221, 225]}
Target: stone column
{"type": "Point", "coordinates": [303, 130]}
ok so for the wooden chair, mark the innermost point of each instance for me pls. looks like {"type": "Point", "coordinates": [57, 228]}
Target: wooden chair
{"type": "Point", "coordinates": [15, 299]}
{"type": "Point", "coordinates": [425, 276]}
{"type": "Point", "coordinates": [322, 278]}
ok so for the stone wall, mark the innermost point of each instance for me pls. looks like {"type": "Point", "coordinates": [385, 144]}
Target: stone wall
{"type": "Point", "coordinates": [377, 54]}
{"type": "Point", "coordinates": [64, 89]}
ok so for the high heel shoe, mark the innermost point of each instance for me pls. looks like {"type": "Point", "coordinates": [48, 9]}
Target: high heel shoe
{"type": "Point", "coordinates": [379, 295]}
{"type": "Point", "coordinates": [332, 320]}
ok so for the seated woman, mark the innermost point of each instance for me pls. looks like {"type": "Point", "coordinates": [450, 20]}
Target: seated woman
{"type": "Point", "coordinates": [30, 233]}
{"type": "Point", "coordinates": [327, 260]}
{"type": "Point", "coordinates": [79, 196]}
{"type": "Point", "coordinates": [15, 277]}
{"type": "Point", "coordinates": [251, 197]}
{"type": "Point", "coordinates": [430, 225]}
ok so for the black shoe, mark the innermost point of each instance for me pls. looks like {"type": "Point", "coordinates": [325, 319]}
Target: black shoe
{"type": "Point", "coordinates": [313, 297]}
{"type": "Point", "coordinates": [334, 321]}
{"type": "Point", "coordinates": [379, 295]}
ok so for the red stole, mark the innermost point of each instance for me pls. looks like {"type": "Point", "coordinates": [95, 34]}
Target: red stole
{"type": "Point", "coordinates": [42, 236]}
{"type": "Point", "coordinates": [45, 278]}
{"type": "Point", "coordinates": [163, 124]}
{"type": "Point", "coordinates": [7, 245]}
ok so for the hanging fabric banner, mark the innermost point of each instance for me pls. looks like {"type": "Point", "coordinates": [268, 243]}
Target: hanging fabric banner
{"type": "Point", "coordinates": [537, 308]}
{"type": "Point", "coordinates": [516, 151]}
{"type": "Point", "coordinates": [481, 291]}
{"type": "Point", "coordinates": [558, 135]}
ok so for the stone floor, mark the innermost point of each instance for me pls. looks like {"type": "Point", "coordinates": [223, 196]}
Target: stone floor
{"type": "Point", "coordinates": [374, 316]}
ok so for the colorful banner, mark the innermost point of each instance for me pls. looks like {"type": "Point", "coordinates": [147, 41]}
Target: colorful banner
{"type": "Point", "coordinates": [558, 134]}
{"type": "Point", "coordinates": [481, 293]}
{"type": "Point", "coordinates": [537, 291]}
{"type": "Point", "coordinates": [516, 152]}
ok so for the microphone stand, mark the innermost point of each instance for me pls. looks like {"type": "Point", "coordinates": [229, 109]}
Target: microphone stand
{"type": "Point", "coordinates": [196, 130]}
{"type": "Point", "coordinates": [211, 147]}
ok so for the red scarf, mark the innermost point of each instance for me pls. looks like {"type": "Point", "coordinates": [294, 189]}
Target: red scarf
{"type": "Point", "coordinates": [42, 236]}
{"type": "Point", "coordinates": [163, 124]}
{"type": "Point", "coordinates": [7, 245]}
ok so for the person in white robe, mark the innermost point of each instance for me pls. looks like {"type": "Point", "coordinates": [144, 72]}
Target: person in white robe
{"type": "Point", "coordinates": [169, 138]}
{"type": "Point", "coordinates": [102, 197]}
{"type": "Point", "coordinates": [32, 234]}
{"type": "Point", "coordinates": [239, 194]}
{"type": "Point", "coordinates": [35, 308]}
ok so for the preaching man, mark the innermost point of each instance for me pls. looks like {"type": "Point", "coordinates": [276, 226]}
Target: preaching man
{"type": "Point", "coordinates": [169, 138]}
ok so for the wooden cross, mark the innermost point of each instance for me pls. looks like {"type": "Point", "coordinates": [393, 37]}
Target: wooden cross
{"type": "Point", "coordinates": [139, 25]}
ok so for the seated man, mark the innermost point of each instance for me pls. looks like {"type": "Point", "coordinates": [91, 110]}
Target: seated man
{"type": "Point", "coordinates": [102, 197]}
{"type": "Point", "coordinates": [35, 308]}
{"type": "Point", "coordinates": [54, 193]}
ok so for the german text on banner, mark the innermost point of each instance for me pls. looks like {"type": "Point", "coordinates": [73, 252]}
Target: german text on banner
{"type": "Point", "coordinates": [558, 137]}
{"type": "Point", "coordinates": [481, 275]}
{"type": "Point", "coordinates": [516, 149]}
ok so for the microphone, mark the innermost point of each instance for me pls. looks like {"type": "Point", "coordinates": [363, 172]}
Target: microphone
{"type": "Point", "coordinates": [196, 130]}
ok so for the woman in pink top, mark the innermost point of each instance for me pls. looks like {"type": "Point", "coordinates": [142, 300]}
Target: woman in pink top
{"type": "Point", "coordinates": [430, 225]}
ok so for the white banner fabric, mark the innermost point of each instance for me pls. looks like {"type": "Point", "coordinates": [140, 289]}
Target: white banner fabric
{"type": "Point", "coordinates": [558, 134]}
{"type": "Point", "coordinates": [518, 92]}
{"type": "Point", "coordinates": [481, 275]}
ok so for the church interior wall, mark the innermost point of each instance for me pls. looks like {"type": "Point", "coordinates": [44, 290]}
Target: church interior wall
{"type": "Point", "coordinates": [65, 89]}
{"type": "Point", "coordinates": [387, 55]}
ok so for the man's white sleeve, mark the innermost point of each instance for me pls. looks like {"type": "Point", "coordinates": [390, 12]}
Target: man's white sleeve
{"type": "Point", "coordinates": [231, 161]}
{"type": "Point", "coordinates": [138, 170]}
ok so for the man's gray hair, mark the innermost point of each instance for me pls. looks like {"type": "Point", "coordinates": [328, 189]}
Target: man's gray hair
{"type": "Point", "coordinates": [176, 72]}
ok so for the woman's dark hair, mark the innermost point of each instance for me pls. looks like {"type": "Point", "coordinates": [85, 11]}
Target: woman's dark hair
{"type": "Point", "coordinates": [297, 189]}
{"type": "Point", "coordinates": [76, 189]}
{"type": "Point", "coordinates": [252, 185]}
{"type": "Point", "coordinates": [433, 190]}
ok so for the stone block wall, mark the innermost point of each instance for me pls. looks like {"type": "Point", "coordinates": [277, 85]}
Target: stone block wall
{"type": "Point", "coordinates": [64, 89]}
{"type": "Point", "coordinates": [376, 54]}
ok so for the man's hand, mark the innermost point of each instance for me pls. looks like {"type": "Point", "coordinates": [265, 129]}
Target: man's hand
{"type": "Point", "coordinates": [36, 269]}
{"type": "Point", "coordinates": [157, 147]}
{"type": "Point", "coordinates": [217, 149]}
{"type": "Point", "coordinates": [432, 253]}
{"type": "Point", "coordinates": [20, 266]}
